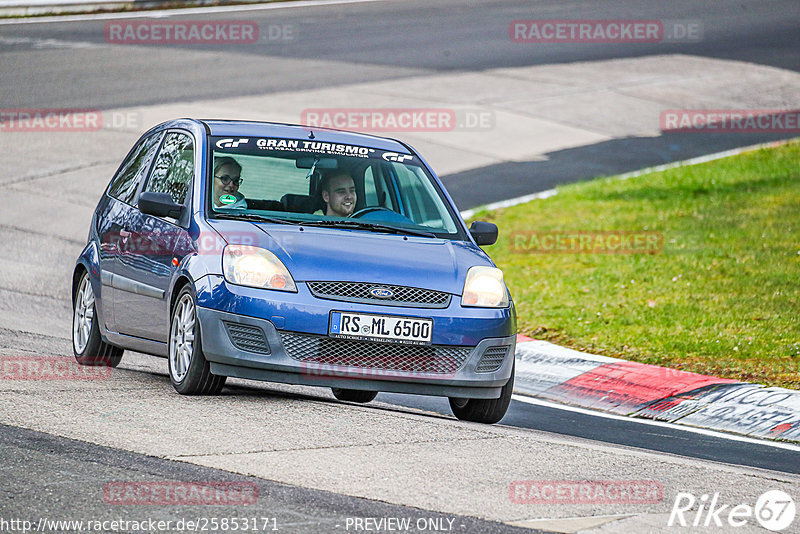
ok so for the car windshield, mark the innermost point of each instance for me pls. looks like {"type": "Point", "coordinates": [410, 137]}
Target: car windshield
{"type": "Point", "coordinates": [326, 184]}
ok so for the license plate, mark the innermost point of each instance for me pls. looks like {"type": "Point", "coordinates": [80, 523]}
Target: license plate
{"type": "Point", "coordinates": [390, 328]}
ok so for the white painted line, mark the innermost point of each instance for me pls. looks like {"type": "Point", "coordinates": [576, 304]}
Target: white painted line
{"type": "Point", "coordinates": [508, 203]}
{"type": "Point", "coordinates": [163, 13]}
{"type": "Point", "coordinates": [42, 44]}
{"type": "Point", "coordinates": [704, 159]}
{"type": "Point", "coordinates": [703, 431]}
{"type": "Point", "coordinates": [658, 168]}
{"type": "Point", "coordinates": [538, 350]}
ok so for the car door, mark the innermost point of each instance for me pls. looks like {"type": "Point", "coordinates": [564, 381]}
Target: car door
{"type": "Point", "coordinates": [114, 209]}
{"type": "Point", "coordinates": [141, 306]}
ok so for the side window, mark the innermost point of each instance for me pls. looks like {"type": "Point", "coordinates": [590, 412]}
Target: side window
{"type": "Point", "coordinates": [174, 168]}
{"type": "Point", "coordinates": [124, 185]}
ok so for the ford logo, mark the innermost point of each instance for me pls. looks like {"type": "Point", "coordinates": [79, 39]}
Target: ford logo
{"type": "Point", "coordinates": [381, 292]}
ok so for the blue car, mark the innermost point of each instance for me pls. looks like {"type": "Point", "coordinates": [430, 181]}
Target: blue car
{"type": "Point", "coordinates": [298, 255]}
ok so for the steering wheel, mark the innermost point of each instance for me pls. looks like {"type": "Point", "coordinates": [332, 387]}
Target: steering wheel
{"type": "Point", "coordinates": [370, 209]}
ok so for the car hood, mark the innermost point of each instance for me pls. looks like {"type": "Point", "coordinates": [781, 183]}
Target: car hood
{"type": "Point", "coordinates": [312, 253]}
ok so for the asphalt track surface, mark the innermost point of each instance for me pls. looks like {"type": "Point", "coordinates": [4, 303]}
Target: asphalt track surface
{"type": "Point", "coordinates": [46, 478]}
{"type": "Point", "coordinates": [339, 45]}
{"type": "Point", "coordinates": [42, 66]}
{"type": "Point", "coordinates": [397, 38]}
{"type": "Point", "coordinates": [629, 433]}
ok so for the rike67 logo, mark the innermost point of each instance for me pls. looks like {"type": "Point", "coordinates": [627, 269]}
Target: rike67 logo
{"type": "Point", "coordinates": [774, 510]}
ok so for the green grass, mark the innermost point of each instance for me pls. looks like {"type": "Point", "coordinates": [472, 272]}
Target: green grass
{"type": "Point", "coordinates": [721, 297]}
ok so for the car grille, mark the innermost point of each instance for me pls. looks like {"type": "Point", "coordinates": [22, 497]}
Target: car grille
{"type": "Point", "coordinates": [246, 337]}
{"type": "Point", "coordinates": [492, 359]}
{"type": "Point", "coordinates": [360, 292]}
{"type": "Point", "coordinates": [317, 350]}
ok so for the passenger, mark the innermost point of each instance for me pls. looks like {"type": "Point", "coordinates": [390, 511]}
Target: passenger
{"type": "Point", "coordinates": [227, 177]}
{"type": "Point", "coordinates": [339, 193]}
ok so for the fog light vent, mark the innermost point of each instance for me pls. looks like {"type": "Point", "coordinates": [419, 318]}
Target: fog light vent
{"type": "Point", "coordinates": [492, 359]}
{"type": "Point", "coordinates": [246, 337]}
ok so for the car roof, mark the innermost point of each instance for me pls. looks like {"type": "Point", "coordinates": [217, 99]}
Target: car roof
{"type": "Point", "coordinates": [240, 128]}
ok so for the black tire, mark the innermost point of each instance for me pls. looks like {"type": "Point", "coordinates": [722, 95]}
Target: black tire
{"type": "Point", "coordinates": [194, 378]}
{"type": "Point", "coordinates": [87, 343]}
{"type": "Point", "coordinates": [354, 395]}
{"type": "Point", "coordinates": [487, 411]}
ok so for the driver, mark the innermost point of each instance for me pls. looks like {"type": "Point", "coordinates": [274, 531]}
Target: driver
{"type": "Point", "coordinates": [339, 193]}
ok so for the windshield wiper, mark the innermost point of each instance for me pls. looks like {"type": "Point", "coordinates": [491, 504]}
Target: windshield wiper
{"type": "Point", "coordinates": [355, 225]}
{"type": "Point", "coordinates": [252, 217]}
{"type": "Point", "coordinates": [372, 227]}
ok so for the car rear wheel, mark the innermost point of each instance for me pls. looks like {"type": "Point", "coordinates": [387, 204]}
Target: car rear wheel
{"type": "Point", "coordinates": [189, 371]}
{"type": "Point", "coordinates": [87, 344]}
{"type": "Point", "coordinates": [354, 395]}
{"type": "Point", "coordinates": [487, 411]}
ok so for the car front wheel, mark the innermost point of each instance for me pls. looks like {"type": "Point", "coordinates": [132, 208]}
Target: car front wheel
{"type": "Point", "coordinates": [87, 344]}
{"type": "Point", "coordinates": [189, 371]}
{"type": "Point", "coordinates": [487, 411]}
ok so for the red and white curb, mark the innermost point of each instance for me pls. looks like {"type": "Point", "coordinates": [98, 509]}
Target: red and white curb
{"type": "Point", "coordinates": [566, 376]}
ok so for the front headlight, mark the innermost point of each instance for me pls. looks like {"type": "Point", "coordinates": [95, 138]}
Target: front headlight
{"type": "Point", "coordinates": [256, 267]}
{"type": "Point", "coordinates": [485, 288]}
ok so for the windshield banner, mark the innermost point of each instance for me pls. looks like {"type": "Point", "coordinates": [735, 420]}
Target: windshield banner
{"type": "Point", "coordinates": [257, 145]}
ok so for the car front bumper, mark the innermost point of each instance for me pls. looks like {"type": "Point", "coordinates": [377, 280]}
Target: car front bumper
{"type": "Point", "coordinates": [285, 340]}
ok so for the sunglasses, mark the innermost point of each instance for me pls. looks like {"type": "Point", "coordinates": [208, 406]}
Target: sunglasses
{"type": "Point", "coordinates": [226, 179]}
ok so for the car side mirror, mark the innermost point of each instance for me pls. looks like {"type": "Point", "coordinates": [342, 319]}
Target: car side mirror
{"type": "Point", "coordinates": [484, 233]}
{"type": "Point", "coordinates": [159, 204]}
